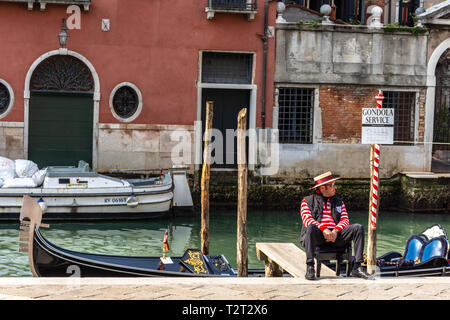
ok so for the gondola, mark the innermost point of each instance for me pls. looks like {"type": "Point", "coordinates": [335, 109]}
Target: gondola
{"type": "Point", "coordinates": [49, 260]}
{"type": "Point", "coordinates": [425, 254]}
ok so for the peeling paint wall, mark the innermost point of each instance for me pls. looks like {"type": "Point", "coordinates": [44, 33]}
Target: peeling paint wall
{"type": "Point", "coordinates": [141, 146]}
{"type": "Point", "coordinates": [11, 140]}
{"type": "Point", "coordinates": [347, 65]}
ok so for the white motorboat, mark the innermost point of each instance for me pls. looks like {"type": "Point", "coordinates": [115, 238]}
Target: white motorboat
{"type": "Point", "coordinates": [79, 193]}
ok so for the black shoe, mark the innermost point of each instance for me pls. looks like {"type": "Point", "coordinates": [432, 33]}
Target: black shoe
{"type": "Point", "coordinates": [310, 273]}
{"type": "Point", "coordinates": [361, 273]}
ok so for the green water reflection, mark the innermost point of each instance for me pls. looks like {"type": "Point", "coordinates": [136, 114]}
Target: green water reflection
{"type": "Point", "coordinates": [144, 238]}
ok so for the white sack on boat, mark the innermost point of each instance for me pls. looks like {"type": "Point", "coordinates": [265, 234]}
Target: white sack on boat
{"type": "Point", "coordinates": [25, 168]}
{"type": "Point", "coordinates": [38, 177]}
{"type": "Point", "coordinates": [19, 183]}
{"type": "Point", "coordinates": [7, 168]}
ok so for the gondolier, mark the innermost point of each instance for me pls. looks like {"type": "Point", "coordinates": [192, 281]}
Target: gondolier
{"type": "Point", "coordinates": [325, 221]}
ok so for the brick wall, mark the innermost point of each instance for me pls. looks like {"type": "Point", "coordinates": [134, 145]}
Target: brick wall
{"type": "Point", "coordinates": [379, 3]}
{"type": "Point", "coordinates": [341, 112]}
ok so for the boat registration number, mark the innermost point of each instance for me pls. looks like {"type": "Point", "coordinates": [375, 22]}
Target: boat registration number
{"type": "Point", "coordinates": [115, 200]}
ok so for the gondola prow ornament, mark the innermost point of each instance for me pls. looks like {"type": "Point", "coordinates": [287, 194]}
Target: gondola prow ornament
{"type": "Point", "coordinates": [30, 218]}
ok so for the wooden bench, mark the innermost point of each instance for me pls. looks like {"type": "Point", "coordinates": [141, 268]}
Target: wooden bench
{"type": "Point", "coordinates": [279, 256]}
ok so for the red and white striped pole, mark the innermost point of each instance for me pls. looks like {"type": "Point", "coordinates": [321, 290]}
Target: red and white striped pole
{"type": "Point", "coordinates": [375, 175]}
{"type": "Point", "coordinates": [374, 203]}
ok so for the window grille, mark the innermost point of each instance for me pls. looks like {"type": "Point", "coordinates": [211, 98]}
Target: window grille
{"type": "Point", "coordinates": [232, 4]}
{"type": "Point", "coordinates": [125, 102]}
{"type": "Point", "coordinates": [224, 67]}
{"type": "Point", "coordinates": [295, 115]}
{"type": "Point", "coordinates": [403, 104]}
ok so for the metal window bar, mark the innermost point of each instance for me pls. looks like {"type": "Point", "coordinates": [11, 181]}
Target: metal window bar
{"type": "Point", "coordinates": [295, 115]}
{"type": "Point", "coordinates": [240, 5]}
{"type": "Point", "coordinates": [225, 67]}
{"type": "Point", "coordinates": [403, 104]}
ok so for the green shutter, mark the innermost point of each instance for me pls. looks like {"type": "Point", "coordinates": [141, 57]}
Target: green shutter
{"type": "Point", "coordinates": [60, 129]}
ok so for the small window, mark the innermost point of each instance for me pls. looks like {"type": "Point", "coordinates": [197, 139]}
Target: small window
{"type": "Point", "coordinates": [295, 115]}
{"type": "Point", "coordinates": [403, 103]}
{"type": "Point", "coordinates": [232, 4]}
{"type": "Point", "coordinates": [126, 102]}
{"type": "Point", "coordinates": [6, 98]}
{"type": "Point", "coordinates": [226, 67]}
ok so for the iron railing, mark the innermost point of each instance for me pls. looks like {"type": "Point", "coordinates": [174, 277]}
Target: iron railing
{"type": "Point", "coordinates": [235, 5]}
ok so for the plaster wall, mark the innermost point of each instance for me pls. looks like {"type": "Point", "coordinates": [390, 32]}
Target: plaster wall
{"type": "Point", "coordinates": [134, 147]}
{"type": "Point", "coordinates": [154, 45]}
{"type": "Point", "coordinates": [347, 65]}
{"type": "Point", "coordinates": [349, 55]}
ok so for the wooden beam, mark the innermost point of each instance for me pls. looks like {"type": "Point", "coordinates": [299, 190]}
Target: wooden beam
{"type": "Point", "coordinates": [279, 257]}
{"type": "Point", "coordinates": [204, 232]}
{"type": "Point", "coordinates": [242, 244]}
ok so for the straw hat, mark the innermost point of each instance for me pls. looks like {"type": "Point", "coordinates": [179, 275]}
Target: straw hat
{"type": "Point", "coordinates": [324, 178]}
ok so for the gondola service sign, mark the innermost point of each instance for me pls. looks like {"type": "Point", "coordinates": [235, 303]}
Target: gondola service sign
{"type": "Point", "coordinates": [377, 126]}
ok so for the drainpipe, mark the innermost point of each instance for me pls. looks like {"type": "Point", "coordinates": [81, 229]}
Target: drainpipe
{"type": "Point", "coordinates": [264, 39]}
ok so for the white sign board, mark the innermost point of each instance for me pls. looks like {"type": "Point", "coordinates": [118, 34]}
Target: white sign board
{"type": "Point", "coordinates": [377, 126]}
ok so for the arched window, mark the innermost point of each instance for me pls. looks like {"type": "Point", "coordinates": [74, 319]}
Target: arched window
{"type": "Point", "coordinates": [62, 73]}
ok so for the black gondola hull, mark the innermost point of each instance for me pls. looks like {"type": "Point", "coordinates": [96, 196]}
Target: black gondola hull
{"type": "Point", "coordinates": [52, 261]}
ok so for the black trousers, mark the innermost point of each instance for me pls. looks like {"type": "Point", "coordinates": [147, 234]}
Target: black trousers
{"type": "Point", "coordinates": [314, 237]}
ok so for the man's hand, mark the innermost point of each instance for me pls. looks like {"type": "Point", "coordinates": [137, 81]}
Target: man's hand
{"type": "Point", "coordinates": [330, 236]}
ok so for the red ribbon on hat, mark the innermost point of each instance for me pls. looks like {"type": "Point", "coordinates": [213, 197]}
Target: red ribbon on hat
{"type": "Point", "coordinates": [323, 180]}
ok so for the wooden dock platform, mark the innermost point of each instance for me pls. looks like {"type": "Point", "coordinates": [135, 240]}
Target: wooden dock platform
{"type": "Point", "coordinates": [279, 256]}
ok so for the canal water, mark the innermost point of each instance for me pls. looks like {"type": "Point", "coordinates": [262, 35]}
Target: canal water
{"type": "Point", "coordinates": [144, 238]}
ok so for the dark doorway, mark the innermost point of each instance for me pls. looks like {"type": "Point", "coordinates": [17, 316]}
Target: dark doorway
{"type": "Point", "coordinates": [227, 104]}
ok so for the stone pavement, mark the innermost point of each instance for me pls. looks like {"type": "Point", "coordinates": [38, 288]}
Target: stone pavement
{"type": "Point", "coordinates": [430, 288]}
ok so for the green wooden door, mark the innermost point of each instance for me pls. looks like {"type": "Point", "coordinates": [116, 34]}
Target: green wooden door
{"type": "Point", "coordinates": [60, 129]}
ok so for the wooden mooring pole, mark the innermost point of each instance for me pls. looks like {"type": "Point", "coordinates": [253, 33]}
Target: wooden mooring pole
{"type": "Point", "coordinates": [204, 231]}
{"type": "Point", "coordinates": [242, 244]}
{"type": "Point", "coordinates": [372, 231]}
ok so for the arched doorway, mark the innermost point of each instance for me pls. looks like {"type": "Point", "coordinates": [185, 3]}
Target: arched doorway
{"type": "Point", "coordinates": [441, 126]}
{"type": "Point", "coordinates": [61, 112]}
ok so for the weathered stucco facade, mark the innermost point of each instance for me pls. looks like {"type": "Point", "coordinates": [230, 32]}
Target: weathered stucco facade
{"type": "Point", "coordinates": [146, 45]}
{"type": "Point", "coordinates": [346, 66]}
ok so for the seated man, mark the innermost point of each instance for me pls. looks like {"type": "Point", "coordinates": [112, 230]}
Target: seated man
{"type": "Point", "coordinates": [325, 219]}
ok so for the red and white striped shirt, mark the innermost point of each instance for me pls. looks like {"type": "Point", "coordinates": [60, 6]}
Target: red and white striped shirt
{"type": "Point", "coordinates": [327, 219]}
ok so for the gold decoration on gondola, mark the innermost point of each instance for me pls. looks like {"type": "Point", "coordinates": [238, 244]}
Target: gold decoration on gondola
{"type": "Point", "coordinates": [196, 262]}
{"type": "Point", "coordinates": [364, 263]}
